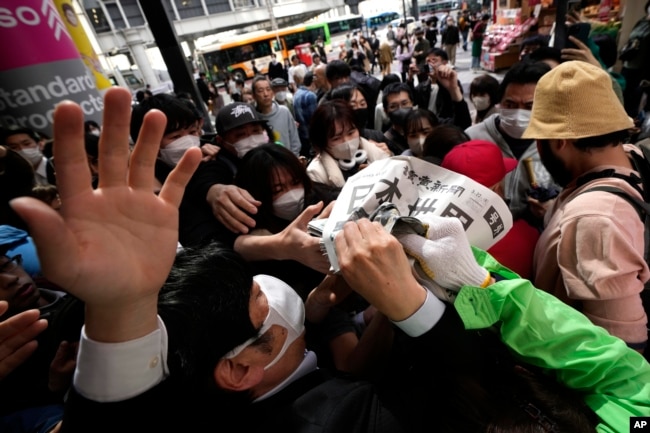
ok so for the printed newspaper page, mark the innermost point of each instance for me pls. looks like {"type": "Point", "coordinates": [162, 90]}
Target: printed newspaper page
{"type": "Point", "coordinates": [418, 188]}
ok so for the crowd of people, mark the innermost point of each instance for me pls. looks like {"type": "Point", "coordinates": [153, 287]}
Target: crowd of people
{"type": "Point", "coordinates": [153, 278]}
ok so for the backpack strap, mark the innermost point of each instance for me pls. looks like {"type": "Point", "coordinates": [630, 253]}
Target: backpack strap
{"type": "Point", "coordinates": [642, 208]}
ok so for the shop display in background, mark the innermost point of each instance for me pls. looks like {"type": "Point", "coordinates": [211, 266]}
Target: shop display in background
{"type": "Point", "coordinates": [502, 39]}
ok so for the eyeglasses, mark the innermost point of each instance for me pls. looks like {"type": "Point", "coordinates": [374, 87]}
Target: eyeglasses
{"type": "Point", "coordinates": [11, 264]}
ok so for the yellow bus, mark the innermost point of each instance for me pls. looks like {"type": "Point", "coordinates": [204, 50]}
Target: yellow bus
{"type": "Point", "coordinates": [234, 56]}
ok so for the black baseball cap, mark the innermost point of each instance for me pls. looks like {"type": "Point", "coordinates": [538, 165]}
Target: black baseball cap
{"type": "Point", "coordinates": [236, 114]}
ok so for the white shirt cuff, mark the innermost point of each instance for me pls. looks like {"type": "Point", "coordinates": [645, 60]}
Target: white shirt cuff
{"type": "Point", "coordinates": [425, 318]}
{"type": "Point", "coordinates": [109, 372]}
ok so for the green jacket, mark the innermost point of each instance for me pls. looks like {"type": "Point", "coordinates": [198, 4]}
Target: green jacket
{"type": "Point", "coordinates": [543, 331]}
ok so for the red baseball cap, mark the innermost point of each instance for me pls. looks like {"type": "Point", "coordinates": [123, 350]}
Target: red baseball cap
{"type": "Point", "coordinates": [480, 160]}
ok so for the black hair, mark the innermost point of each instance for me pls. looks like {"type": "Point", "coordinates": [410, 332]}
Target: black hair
{"type": "Point", "coordinates": [485, 84]}
{"type": "Point", "coordinates": [139, 96]}
{"type": "Point", "coordinates": [545, 53]}
{"type": "Point", "coordinates": [393, 89]}
{"type": "Point", "coordinates": [205, 306]}
{"type": "Point", "coordinates": [523, 73]}
{"type": "Point", "coordinates": [389, 79]}
{"type": "Point", "coordinates": [91, 144]}
{"type": "Point", "coordinates": [257, 174]}
{"type": "Point", "coordinates": [45, 193]}
{"type": "Point", "coordinates": [441, 140]}
{"type": "Point", "coordinates": [322, 126]}
{"type": "Point", "coordinates": [438, 53]}
{"type": "Point", "coordinates": [337, 69]}
{"type": "Point", "coordinates": [257, 79]}
{"type": "Point", "coordinates": [541, 40]}
{"type": "Point", "coordinates": [308, 79]}
{"type": "Point", "coordinates": [343, 92]}
{"type": "Point", "coordinates": [414, 119]}
{"type": "Point", "coordinates": [615, 138]}
{"type": "Point", "coordinates": [88, 124]}
{"type": "Point", "coordinates": [15, 131]}
{"type": "Point", "coordinates": [179, 114]}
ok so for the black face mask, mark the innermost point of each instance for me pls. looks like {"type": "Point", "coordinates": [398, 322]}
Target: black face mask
{"type": "Point", "coordinates": [398, 117]}
{"type": "Point", "coordinates": [361, 117]}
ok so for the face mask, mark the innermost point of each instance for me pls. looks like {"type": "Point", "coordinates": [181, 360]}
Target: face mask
{"type": "Point", "coordinates": [416, 145]}
{"type": "Point", "coordinates": [481, 102]}
{"type": "Point", "coordinates": [404, 41]}
{"type": "Point", "coordinates": [251, 142]}
{"type": "Point", "coordinates": [398, 117]}
{"type": "Point", "coordinates": [286, 309]}
{"type": "Point", "coordinates": [289, 205]}
{"type": "Point", "coordinates": [171, 154]}
{"type": "Point", "coordinates": [360, 117]}
{"type": "Point", "coordinates": [514, 121]}
{"type": "Point", "coordinates": [345, 150]}
{"type": "Point", "coordinates": [95, 132]}
{"type": "Point", "coordinates": [281, 96]}
{"type": "Point", "coordinates": [32, 154]}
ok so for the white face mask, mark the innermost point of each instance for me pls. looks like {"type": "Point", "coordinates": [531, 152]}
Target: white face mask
{"type": "Point", "coordinates": [249, 143]}
{"type": "Point", "coordinates": [175, 150]}
{"type": "Point", "coordinates": [481, 102]}
{"type": "Point", "coordinates": [95, 132]}
{"type": "Point", "coordinates": [281, 96]}
{"type": "Point", "coordinates": [32, 154]}
{"type": "Point", "coordinates": [345, 150]}
{"type": "Point", "coordinates": [286, 309]}
{"type": "Point", "coordinates": [417, 144]}
{"type": "Point", "coordinates": [289, 205]}
{"type": "Point", "coordinates": [514, 121]}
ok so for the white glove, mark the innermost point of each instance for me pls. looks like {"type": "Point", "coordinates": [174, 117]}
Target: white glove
{"type": "Point", "coordinates": [445, 257]}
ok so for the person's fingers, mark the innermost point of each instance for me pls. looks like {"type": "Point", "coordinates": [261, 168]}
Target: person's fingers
{"type": "Point", "coordinates": [235, 223]}
{"type": "Point", "coordinates": [52, 236]}
{"type": "Point", "coordinates": [325, 213]}
{"type": "Point", "coordinates": [114, 140]}
{"type": "Point", "coordinates": [143, 158]}
{"type": "Point", "coordinates": [4, 306]}
{"type": "Point", "coordinates": [307, 215]}
{"type": "Point", "coordinates": [581, 45]}
{"type": "Point", "coordinates": [17, 323]}
{"type": "Point", "coordinates": [245, 200]}
{"type": "Point", "coordinates": [370, 230]}
{"type": "Point", "coordinates": [174, 187]}
{"type": "Point", "coordinates": [72, 171]}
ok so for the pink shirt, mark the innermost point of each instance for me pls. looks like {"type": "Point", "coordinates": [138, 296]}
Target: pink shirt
{"type": "Point", "coordinates": [591, 256]}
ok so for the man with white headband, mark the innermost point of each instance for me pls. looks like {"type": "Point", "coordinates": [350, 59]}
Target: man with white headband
{"type": "Point", "coordinates": [226, 351]}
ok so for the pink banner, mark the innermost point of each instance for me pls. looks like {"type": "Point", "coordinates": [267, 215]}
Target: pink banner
{"type": "Point", "coordinates": [32, 32]}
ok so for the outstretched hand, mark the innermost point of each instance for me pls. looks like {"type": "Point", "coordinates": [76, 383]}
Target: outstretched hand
{"type": "Point", "coordinates": [111, 247]}
{"type": "Point", "coordinates": [18, 338]}
{"type": "Point", "coordinates": [296, 244]}
{"type": "Point", "coordinates": [582, 53]}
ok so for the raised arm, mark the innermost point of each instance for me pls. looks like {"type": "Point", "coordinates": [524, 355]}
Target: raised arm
{"type": "Point", "coordinates": [112, 247]}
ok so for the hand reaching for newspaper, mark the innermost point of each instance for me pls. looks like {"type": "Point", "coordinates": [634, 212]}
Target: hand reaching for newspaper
{"type": "Point", "coordinates": [444, 259]}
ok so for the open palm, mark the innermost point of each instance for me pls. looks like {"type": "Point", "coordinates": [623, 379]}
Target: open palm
{"type": "Point", "coordinates": [114, 245]}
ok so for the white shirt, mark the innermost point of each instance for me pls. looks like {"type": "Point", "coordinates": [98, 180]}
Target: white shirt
{"type": "Point", "coordinates": [109, 372]}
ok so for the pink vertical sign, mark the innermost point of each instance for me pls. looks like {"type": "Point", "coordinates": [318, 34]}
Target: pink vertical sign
{"type": "Point", "coordinates": [40, 66]}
